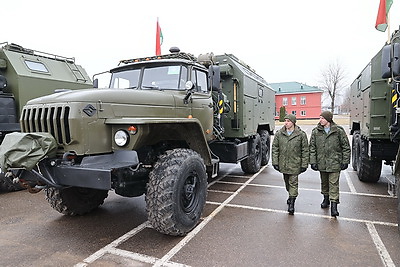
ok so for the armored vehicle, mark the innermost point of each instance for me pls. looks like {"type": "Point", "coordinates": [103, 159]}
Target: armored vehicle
{"type": "Point", "coordinates": [27, 74]}
{"type": "Point", "coordinates": [375, 115]}
{"type": "Point", "coordinates": [160, 129]}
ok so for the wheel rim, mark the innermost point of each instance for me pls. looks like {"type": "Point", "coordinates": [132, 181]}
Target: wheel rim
{"type": "Point", "coordinates": [189, 193]}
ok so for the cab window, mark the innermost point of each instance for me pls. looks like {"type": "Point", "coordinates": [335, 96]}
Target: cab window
{"type": "Point", "coordinates": [199, 79]}
{"type": "Point", "coordinates": [125, 79]}
{"type": "Point", "coordinates": [165, 77]}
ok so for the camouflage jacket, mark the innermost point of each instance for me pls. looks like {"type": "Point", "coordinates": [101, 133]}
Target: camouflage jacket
{"type": "Point", "coordinates": [330, 150]}
{"type": "Point", "coordinates": [290, 152]}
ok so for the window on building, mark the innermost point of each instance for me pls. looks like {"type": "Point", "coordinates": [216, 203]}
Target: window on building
{"type": "Point", "coordinates": [284, 101]}
{"type": "Point", "coordinates": [294, 112]}
{"type": "Point", "coordinates": [302, 100]}
{"type": "Point", "coordinates": [303, 113]}
{"type": "Point", "coordinates": [294, 99]}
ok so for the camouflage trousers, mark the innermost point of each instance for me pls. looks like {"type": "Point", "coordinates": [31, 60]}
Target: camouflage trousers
{"type": "Point", "coordinates": [292, 184]}
{"type": "Point", "coordinates": [330, 185]}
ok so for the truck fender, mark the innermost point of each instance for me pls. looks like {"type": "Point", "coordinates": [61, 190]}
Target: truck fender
{"type": "Point", "coordinates": [160, 129]}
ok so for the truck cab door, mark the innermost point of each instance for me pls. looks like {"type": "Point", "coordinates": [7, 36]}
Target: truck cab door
{"type": "Point", "coordinates": [201, 103]}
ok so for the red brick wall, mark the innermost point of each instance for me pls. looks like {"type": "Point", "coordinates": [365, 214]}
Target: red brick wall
{"type": "Point", "coordinates": [312, 107]}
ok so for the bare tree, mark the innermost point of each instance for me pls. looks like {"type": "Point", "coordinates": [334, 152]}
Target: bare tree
{"type": "Point", "coordinates": [345, 106]}
{"type": "Point", "coordinates": [333, 82]}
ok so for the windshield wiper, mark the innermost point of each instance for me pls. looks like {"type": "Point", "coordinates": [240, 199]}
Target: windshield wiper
{"type": "Point", "coordinates": [150, 87]}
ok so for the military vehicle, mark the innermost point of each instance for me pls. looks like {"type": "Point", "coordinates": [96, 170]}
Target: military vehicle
{"type": "Point", "coordinates": [160, 129]}
{"type": "Point", "coordinates": [375, 115]}
{"type": "Point", "coordinates": [27, 74]}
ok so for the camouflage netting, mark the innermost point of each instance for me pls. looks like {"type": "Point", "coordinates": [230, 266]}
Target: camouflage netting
{"type": "Point", "coordinates": [25, 150]}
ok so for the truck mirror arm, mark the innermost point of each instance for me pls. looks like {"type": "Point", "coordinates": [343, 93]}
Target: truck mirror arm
{"type": "Point", "coordinates": [189, 93]}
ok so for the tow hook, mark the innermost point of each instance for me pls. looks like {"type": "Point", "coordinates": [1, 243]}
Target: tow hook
{"type": "Point", "coordinates": [32, 188]}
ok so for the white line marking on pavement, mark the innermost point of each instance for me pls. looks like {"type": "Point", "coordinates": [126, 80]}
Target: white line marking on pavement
{"type": "Point", "coordinates": [305, 214]}
{"type": "Point", "coordinates": [349, 182]}
{"type": "Point", "coordinates": [111, 248]}
{"type": "Point", "coordinates": [383, 253]}
{"type": "Point", "coordinates": [306, 189]}
{"type": "Point", "coordinates": [222, 177]}
{"type": "Point", "coordinates": [201, 225]}
{"type": "Point", "coordinates": [98, 254]}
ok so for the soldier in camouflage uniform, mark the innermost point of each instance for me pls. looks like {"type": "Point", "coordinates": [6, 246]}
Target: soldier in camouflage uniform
{"type": "Point", "coordinates": [329, 154]}
{"type": "Point", "coordinates": [290, 156]}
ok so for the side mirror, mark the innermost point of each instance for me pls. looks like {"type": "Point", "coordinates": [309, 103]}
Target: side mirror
{"type": "Point", "coordinates": [390, 64]}
{"type": "Point", "coordinates": [385, 62]}
{"type": "Point", "coordinates": [3, 82]}
{"type": "Point", "coordinates": [96, 83]}
{"type": "Point", "coordinates": [189, 85]}
{"type": "Point", "coordinates": [215, 77]}
{"type": "Point", "coordinates": [189, 91]}
{"type": "Point", "coordinates": [396, 59]}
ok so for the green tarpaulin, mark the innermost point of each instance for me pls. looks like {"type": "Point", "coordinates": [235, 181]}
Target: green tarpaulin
{"type": "Point", "coordinates": [25, 150]}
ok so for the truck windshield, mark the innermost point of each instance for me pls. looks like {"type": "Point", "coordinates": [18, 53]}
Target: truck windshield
{"type": "Point", "coordinates": [125, 79]}
{"type": "Point", "coordinates": [161, 77]}
{"type": "Point", "coordinates": [165, 77]}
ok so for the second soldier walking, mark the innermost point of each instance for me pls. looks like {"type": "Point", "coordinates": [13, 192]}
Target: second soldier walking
{"type": "Point", "coordinates": [329, 154]}
{"type": "Point", "coordinates": [290, 156]}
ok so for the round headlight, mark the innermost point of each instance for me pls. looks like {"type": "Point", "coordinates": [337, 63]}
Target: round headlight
{"type": "Point", "coordinates": [121, 138]}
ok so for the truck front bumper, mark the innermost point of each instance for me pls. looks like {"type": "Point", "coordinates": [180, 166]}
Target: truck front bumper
{"type": "Point", "coordinates": [93, 172]}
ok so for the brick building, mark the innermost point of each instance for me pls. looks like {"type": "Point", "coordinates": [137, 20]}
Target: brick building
{"type": "Point", "coordinates": [299, 99]}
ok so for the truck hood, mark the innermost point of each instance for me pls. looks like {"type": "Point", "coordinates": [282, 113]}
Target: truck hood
{"type": "Point", "coordinates": [118, 96]}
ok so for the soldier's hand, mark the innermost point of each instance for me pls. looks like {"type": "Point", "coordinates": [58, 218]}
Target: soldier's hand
{"type": "Point", "coordinates": [344, 166]}
{"type": "Point", "coordinates": [276, 167]}
{"type": "Point", "coordinates": [314, 166]}
{"type": "Point", "coordinates": [302, 170]}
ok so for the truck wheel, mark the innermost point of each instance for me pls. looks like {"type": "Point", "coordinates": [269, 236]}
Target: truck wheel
{"type": "Point", "coordinates": [252, 163]}
{"type": "Point", "coordinates": [368, 170]}
{"type": "Point", "coordinates": [7, 185]}
{"type": "Point", "coordinates": [355, 150]}
{"type": "Point", "coordinates": [176, 192]}
{"type": "Point", "coordinates": [265, 147]}
{"type": "Point", "coordinates": [75, 200]}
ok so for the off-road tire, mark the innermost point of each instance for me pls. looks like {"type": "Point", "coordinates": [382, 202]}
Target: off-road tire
{"type": "Point", "coordinates": [252, 163]}
{"type": "Point", "coordinates": [355, 150]}
{"type": "Point", "coordinates": [265, 147]}
{"type": "Point", "coordinates": [176, 192]}
{"type": "Point", "coordinates": [75, 200]}
{"type": "Point", "coordinates": [368, 170]}
{"type": "Point", "coordinates": [7, 185]}
{"type": "Point", "coordinates": [398, 201]}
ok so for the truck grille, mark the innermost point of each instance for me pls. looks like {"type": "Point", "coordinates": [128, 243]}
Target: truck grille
{"type": "Point", "coordinates": [50, 119]}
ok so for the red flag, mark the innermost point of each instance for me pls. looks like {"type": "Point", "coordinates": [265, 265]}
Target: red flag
{"type": "Point", "coordinates": [159, 39]}
{"type": "Point", "coordinates": [382, 18]}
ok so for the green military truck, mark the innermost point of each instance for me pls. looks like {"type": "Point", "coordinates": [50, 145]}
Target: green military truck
{"type": "Point", "coordinates": [375, 115]}
{"type": "Point", "coordinates": [27, 74]}
{"type": "Point", "coordinates": [160, 129]}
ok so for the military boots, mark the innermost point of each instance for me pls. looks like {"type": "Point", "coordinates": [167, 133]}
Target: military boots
{"type": "Point", "coordinates": [325, 202]}
{"type": "Point", "coordinates": [291, 201]}
{"type": "Point", "coordinates": [334, 211]}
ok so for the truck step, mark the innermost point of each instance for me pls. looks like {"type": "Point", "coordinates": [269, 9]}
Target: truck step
{"type": "Point", "coordinates": [391, 181]}
{"type": "Point", "coordinates": [215, 167]}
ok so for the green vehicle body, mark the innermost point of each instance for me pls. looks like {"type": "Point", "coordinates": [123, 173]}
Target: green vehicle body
{"type": "Point", "coordinates": [26, 74]}
{"type": "Point", "coordinates": [375, 116]}
{"type": "Point", "coordinates": [157, 114]}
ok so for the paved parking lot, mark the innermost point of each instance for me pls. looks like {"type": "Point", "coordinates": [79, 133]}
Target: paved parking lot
{"type": "Point", "coordinates": [245, 223]}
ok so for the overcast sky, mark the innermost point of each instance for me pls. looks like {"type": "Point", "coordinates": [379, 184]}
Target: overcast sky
{"type": "Point", "coordinates": [291, 40]}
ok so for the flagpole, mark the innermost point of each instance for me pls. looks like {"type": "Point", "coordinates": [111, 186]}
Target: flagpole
{"type": "Point", "coordinates": [388, 26]}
